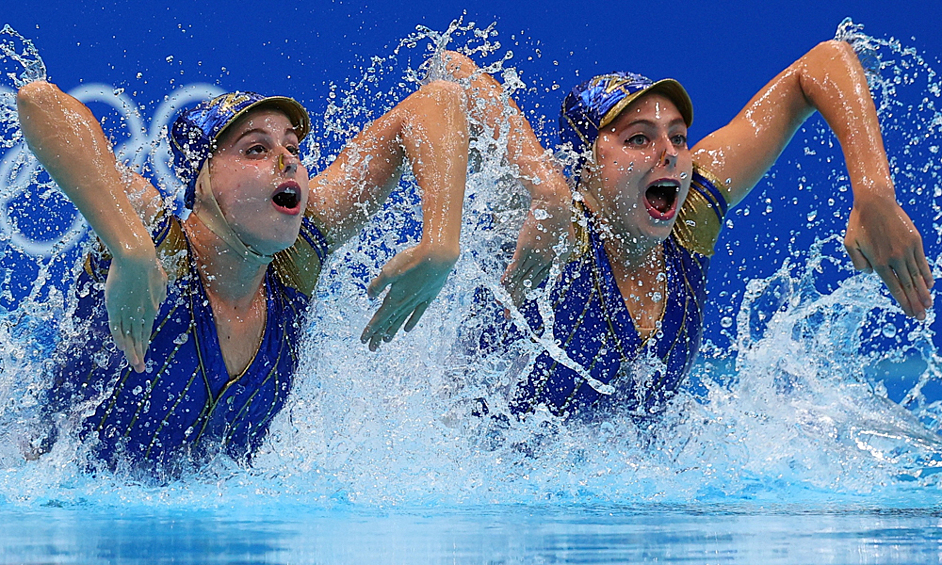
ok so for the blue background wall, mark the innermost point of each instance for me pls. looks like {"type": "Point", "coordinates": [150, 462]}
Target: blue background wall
{"type": "Point", "coordinates": [723, 52]}
{"type": "Point", "coordinates": [738, 45]}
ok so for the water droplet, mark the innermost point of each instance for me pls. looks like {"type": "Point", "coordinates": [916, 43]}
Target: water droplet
{"type": "Point", "coordinates": [656, 296]}
{"type": "Point", "coordinates": [540, 214]}
{"type": "Point", "coordinates": [812, 215]}
{"type": "Point", "coordinates": [726, 322]}
{"type": "Point", "coordinates": [889, 330]}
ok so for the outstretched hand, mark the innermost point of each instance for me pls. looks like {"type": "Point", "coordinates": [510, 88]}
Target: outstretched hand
{"type": "Point", "coordinates": [537, 247]}
{"type": "Point", "coordinates": [414, 277]}
{"type": "Point", "coordinates": [882, 238]}
{"type": "Point", "coordinates": [134, 291]}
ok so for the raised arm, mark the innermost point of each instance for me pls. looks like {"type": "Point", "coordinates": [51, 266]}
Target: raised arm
{"type": "Point", "coordinates": [829, 79]}
{"type": "Point", "coordinates": [70, 144]}
{"type": "Point", "coordinates": [550, 214]}
{"type": "Point", "coordinates": [430, 129]}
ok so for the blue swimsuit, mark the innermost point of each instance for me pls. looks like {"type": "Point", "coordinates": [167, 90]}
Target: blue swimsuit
{"type": "Point", "coordinates": [185, 404]}
{"type": "Point", "coordinates": [594, 328]}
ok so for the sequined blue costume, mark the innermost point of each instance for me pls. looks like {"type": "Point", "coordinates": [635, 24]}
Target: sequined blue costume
{"type": "Point", "coordinates": [594, 328]}
{"type": "Point", "coordinates": [605, 362]}
{"type": "Point", "coordinates": [186, 404]}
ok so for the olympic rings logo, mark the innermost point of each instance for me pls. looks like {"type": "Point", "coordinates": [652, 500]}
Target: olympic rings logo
{"type": "Point", "coordinates": [144, 145]}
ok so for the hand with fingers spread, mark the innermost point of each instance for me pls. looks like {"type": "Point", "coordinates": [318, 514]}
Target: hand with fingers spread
{"type": "Point", "coordinates": [882, 238]}
{"type": "Point", "coordinates": [546, 225]}
{"type": "Point", "coordinates": [134, 291]}
{"type": "Point", "coordinates": [414, 277]}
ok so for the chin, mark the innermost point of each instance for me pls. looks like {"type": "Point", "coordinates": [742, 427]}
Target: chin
{"type": "Point", "coordinates": [273, 243]}
{"type": "Point", "coordinates": [649, 227]}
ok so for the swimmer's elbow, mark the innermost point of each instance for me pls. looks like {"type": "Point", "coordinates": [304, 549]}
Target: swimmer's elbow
{"type": "Point", "coordinates": [35, 94]}
{"type": "Point", "coordinates": [837, 48]}
{"type": "Point", "coordinates": [832, 52]}
{"type": "Point", "coordinates": [443, 88]}
{"type": "Point", "coordinates": [459, 65]}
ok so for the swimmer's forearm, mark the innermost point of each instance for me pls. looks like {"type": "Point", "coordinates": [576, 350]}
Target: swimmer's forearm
{"type": "Point", "coordinates": [549, 220]}
{"type": "Point", "coordinates": [835, 84]}
{"type": "Point", "coordinates": [880, 236]}
{"type": "Point", "coordinates": [490, 106]}
{"type": "Point", "coordinates": [70, 144]}
{"type": "Point", "coordinates": [434, 134]}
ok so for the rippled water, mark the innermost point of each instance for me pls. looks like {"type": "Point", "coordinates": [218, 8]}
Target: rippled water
{"type": "Point", "coordinates": [811, 437]}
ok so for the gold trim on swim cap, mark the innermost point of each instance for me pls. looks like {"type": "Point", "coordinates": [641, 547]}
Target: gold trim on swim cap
{"type": "Point", "coordinates": [291, 107]}
{"type": "Point", "coordinates": [674, 91]}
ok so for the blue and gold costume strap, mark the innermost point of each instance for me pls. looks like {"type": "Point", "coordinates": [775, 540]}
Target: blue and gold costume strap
{"type": "Point", "coordinates": [701, 216]}
{"type": "Point", "coordinates": [300, 265]}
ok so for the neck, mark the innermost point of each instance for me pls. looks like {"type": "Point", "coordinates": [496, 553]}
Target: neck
{"type": "Point", "coordinates": [229, 277]}
{"type": "Point", "coordinates": [637, 269]}
{"type": "Point", "coordinates": [626, 253]}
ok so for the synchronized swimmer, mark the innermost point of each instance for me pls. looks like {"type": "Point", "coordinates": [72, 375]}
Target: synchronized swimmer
{"type": "Point", "coordinates": [646, 212]}
{"type": "Point", "coordinates": [206, 312]}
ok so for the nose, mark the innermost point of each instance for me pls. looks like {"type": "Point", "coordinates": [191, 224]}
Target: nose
{"type": "Point", "coordinates": [287, 162]}
{"type": "Point", "coordinates": [668, 154]}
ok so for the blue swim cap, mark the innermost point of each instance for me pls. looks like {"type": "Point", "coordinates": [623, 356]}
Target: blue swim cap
{"type": "Point", "coordinates": [596, 103]}
{"type": "Point", "coordinates": [194, 133]}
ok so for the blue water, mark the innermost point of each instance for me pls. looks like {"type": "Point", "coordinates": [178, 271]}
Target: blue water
{"type": "Point", "coordinates": [809, 431]}
{"type": "Point", "coordinates": [704, 534]}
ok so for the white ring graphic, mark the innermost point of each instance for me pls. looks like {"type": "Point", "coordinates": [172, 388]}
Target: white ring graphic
{"type": "Point", "coordinates": [18, 166]}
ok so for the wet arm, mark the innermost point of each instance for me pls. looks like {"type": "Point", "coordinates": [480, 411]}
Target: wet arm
{"type": "Point", "coordinates": [429, 128]}
{"type": "Point", "coordinates": [550, 215]}
{"type": "Point", "coordinates": [70, 144]}
{"type": "Point", "coordinates": [829, 79]}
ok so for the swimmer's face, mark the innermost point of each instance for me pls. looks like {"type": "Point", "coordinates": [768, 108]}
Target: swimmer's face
{"type": "Point", "coordinates": [259, 181]}
{"type": "Point", "coordinates": [642, 169]}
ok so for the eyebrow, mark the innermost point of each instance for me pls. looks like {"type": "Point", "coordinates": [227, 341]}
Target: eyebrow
{"type": "Point", "coordinates": [263, 132]}
{"type": "Point", "coordinates": [651, 123]}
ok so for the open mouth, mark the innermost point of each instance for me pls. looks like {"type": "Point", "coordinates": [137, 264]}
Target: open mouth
{"type": "Point", "coordinates": [288, 197]}
{"type": "Point", "coordinates": [660, 199]}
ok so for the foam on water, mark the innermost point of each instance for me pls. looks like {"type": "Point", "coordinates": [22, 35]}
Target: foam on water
{"type": "Point", "coordinates": [827, 392]}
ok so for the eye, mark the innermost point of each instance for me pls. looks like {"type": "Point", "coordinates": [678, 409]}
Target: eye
{"type": "Point", "coordinates": [637, 140]}
{"type": "Point", "coordinates": [680, 140]}
{"type": "Point", "coordinates": [256, 149]}
{"type": "Point", "coordinates": [294, 150]}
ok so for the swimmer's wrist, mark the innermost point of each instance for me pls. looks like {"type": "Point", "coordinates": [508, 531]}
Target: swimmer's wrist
{"type": "Point", "coordinates": [134, 248]}
{"type": "Point", "coordinates": [874, 194]}
{"type": "Point", "coordinates": [442, 250]}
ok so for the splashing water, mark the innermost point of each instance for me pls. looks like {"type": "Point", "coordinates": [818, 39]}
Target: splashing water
{"type": "Point", "coordinates": [826, 390]}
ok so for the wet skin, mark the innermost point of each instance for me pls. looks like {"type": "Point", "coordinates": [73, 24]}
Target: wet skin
{"type": "Point", "coordinates": [639, 180]}
{"type": "Point", "coordinates": [641, 176]}
{"type": "Point", "coordinates": [259, 181]}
